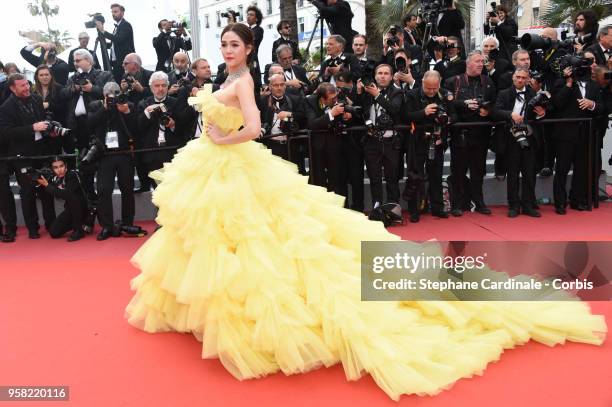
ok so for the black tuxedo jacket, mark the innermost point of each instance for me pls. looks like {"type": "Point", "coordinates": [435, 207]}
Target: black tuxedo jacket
{"type": "Point", "coordinates": [148, 129]}
{"type": "Point", "coordinates": [390, 100]}
{"type": "Point", "coordinates": [122, 39]}
{"type": "Point", "coordinates": [503, 112]}
{"type": "Point", "coordinates": [349, 62]}
{"type": "Point", "coordinates": [71, 60]}
{"type": "Point", "coordinates": [16, 131]}
{"type": "Point", "coordinates": [98, 79]}
{"type": "Point", "coordinates": [294, 46]}
{"type": "Point", "coordinates": [565, 102]}
{"type": "Point", "coordinates": [166, 52]}
{"type": "Point", "coordinates": [448, 68]}
{"type": "Point", "coordinates": [600, 57]}
{"type": "Point", "coordinates": [290, 103]}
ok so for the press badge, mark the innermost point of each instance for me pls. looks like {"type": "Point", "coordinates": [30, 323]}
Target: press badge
{"type": "Point", "coordinates": [112, 139]}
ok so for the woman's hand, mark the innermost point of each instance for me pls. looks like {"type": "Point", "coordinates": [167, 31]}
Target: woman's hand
{"type": "Point", "coordinates": [216, 135]}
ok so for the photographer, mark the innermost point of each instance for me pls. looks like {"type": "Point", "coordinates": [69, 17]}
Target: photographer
{"type": "Point", "coordinates": [450, 23]}
{"type": "Point", "coordinates": [122, 39]}
{"type": "Point", "coordinates": [405, 77]}
{"type": "Point", "coordinates": [64, 184]}
{"type": "Point", "coordinates": [602, 49]}
{"type": "Point", "coordinates": [83, 43]}
{"type": "Point", "coordinates": [520, 59]}
{"type": "Point", "coordinates": [281, 113]}
{"type": "Point", "coordinates": [254, 17]}
{"type": "Point", "coordinates": [574, 96]}
{"type": "Point", "coordinates": [135, 80]}
{"type": "Point", "coordinates": [495, 64]}
{"type": "Point", "coordinates": [189, 116]}
{"type": "Point", "coordinates": [338, 60]}
{"type": "Point", "coordinates": [382, 104]}
{"type": "Point", "coordinates": [24, 129]}
{"type": "Point", "coordinates": [156, 125]}
{"type": "Point", "coordinates": [113, 120]}
{"type": "Point", "coordinates": [172, 38]}
{"type": "Point", "coordinates": [585, 29]}
{"type": "Point", "coordinates": [474, 95]}
{"type": "Point", "coordinates": [339, 16]}
{"type": "Point", "coordinates": [411, 35]}
{"type": "Point", "coordinates": [430, 112]}
{"type": "Point", "coordinates": [83, 87]}
{"type": "Point", "coordinates": [504, 28]}
{"type": "Point", "coordinates": [48, 56]}
{"type": "Point", "coordinates": [545, 53]}
{"type": "Point", "coordinates": [181, 75]}
{"type": "Point", "coordinates": [284, 30]}
{"type": "Point", "coordinates": [448, 60]}
{"type": "Point", "coordinates": [296, 81]}
{"type": "Point", "coordinates": [518, 142]}
{"type": "Point", "coordinates": [323, 115]}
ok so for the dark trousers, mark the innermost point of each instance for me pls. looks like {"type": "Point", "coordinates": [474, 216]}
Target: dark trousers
{"type": "Point", "coordinates": [570, 154]}
{"type": "Point", "coordinates": [121, 167]}
{"type": "Point", "coordinates": [500, 164]}
{"type": "Point", "coordinates": [354, 174]}
{"type": "Point", "coordinates": [521, 162]}
{"type": "Point", "coordinates": [546, 150]}
{"type": "Point", "coordinates": [281, 149]}
{"type": "Point", "coordinates": [7, 204]}
{"type": "Point", "coordinates": [71, 218]}
{"type": "Point", "coordinates": [433, 169]}
{"type": "Point", "coordinates": [143, 174]}
{"type": "Point", "coordinates": [28, 193]}
{"type": "Point", "coordinates": [327, 168]}
{"type": "Point", "coordinates": [381, 157]}
{"type": "Point", "coordinates": [474, 158]}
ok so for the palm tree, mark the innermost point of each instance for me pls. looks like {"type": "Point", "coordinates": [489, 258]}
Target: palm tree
{"type": "Point", "coordinates": [288, 11]}
{"type": "Point", "coordinates": [374, 36]}
{"type": "Point", "coordinates": [558, 11]}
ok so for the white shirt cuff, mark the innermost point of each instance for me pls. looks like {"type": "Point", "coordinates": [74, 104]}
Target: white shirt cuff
{"type": "Point", "coordinates": [30, 48]}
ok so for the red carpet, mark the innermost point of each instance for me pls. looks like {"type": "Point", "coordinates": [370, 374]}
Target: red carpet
{"type": "Point", "coordinates": [61, 323]}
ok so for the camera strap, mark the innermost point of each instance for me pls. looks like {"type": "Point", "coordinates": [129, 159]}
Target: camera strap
{"type": "Point", "coordinates": [125, 129]}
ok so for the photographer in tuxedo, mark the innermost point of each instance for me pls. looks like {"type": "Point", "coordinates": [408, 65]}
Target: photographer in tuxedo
{"type": "Point", "coordinates": [48, 56]}
{"type": "Point", "coordinates": [83, 44]}
{"type": "Point", "coordinates": [382, 104]}
{"type": "Point", "coordinates": [448, 59]}
{"type": "Point", "coordinates": [156, 123]}
{"type": "Point", "coordinates": [430, 111]}
{"type": "Point", "coordinates": [519, 142]}
{"type": "Point", "coordinates": [339, 16]}
{"type": "Point", "coordinates": [24, 129]}
{"type": "Point", "coordinates": [406, 76]}
{"type": "Point", "coordinates": [168, 42]}
{"type": "Point", "coordinates": [338, 60]}
{"type": "Point", "coordinates": [191, 118]}
{"type": "Point", "coordinates": [504, 28]}
{"type": "Point", "coordinates": [181, 76]}
{"type": "Point", "coordinates": [602, 48]}
{"type": "Point", "coordinates": [122, 39]}
{"type": "Point", "coordinates": [284, 30]}
{"type": "Point", "coordinates": [281, 113]}
{"type": "Point", "coordinates": [113, 120]}
{"type": "Point", "coordinates": [295, 75]}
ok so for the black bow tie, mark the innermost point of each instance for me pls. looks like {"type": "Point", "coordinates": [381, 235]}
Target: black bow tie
{"type": "Point", "coordinates": [116, 24]}
{"type": "Point", "coordinates": [287, 69]}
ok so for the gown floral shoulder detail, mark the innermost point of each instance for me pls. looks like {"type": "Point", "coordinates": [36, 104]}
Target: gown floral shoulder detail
{"type": "Point", "coordinates": [264, 269]}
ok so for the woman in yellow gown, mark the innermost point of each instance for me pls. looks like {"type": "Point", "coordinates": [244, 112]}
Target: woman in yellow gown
{"type": "Point", "coordinates": [264, 269]}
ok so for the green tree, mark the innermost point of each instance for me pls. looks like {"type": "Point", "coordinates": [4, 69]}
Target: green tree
{"type": "Point", "coordinates": [559, 11]}
{"type": "Point", "coordinates": [47, 9]}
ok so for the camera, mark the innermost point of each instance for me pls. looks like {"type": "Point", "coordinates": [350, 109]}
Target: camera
{"type": "Point", "coordinates": [175, 25]}
{"type": "Point", "coordinates": [441, 115]}
{"type": "Point", "coordinates": [93, 152]}
{"type": "Point", "coordinates": [288, 125]}
{"type": "Point", "coordinates": [537, 75]}
{"type": "Point", "coordinates": [435, 139]}
{"type": "Point", "coordinates": [484, 104]}
{"type": "Point", "coordinates": [161, 112]}
{"type": "Point", "coordinates": [129, 79]}
{"type": "Point", "coordinates": [94, 17]}
{"type": "Point", "coordinates": [394, 40]}
{"type": "Point", "coordinates": [401, 65]}
{"type": "Point", "coordinates": [493, 12]}
{"type": "Point", "coordinates": [334, 62]}
{"type": "Point", "coordinates": [541, 99]}
{"type": "Point", "coordinates": [234, 14]}
{"type": "Point", "coordinates": [577, 39]}
{"type": "Point", "coordinates": [607, 75]}
{"type": "Point", "coordinates": [115, 99]}
{"type": "Point", "coordinates": [367, 72]}
{"type": "Point", "coordinates": [581, 66]}
{"type": "Point", "coordinates": [52, 53]}
{"type": "Point", "coordinates": [35, 174]}
{"type": "Point", "coordinates": [520, 132]}
{"type": "Point", "coordinates": [80, 78]}
{"type": "Point", "coordinates": [430, 9]}
{"type": "Point", "coordinates": [54, 129]}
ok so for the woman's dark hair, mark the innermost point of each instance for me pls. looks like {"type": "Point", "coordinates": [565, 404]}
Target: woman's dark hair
{"type": "Point", "coordinates": [245, 34]}
{"type": "Point", "coordinates": [590, 21]}
{"type": "Point", "coordinates": [37, 88]}
{"type": "Point", "coordinates": [258, 13]}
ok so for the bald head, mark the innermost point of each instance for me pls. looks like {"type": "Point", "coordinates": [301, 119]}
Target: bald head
{"type": "Point", "coordinates": [549, 33]}
{"type": "Point", "coordinates": [277, 85]}
{"type": "Point", "coordinates": [180, 60]}
{"type": "Point", "coordinates": [132, 63]}
{"type": "Point", "coordinates": [431, 83]}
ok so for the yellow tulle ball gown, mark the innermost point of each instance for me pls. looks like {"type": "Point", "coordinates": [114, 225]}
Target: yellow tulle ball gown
{"type": "Point", "coordinates": [264, 269]}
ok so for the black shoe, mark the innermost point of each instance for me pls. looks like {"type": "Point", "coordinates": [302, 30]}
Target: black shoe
{"type": "Point", "coordinates": [414, 218]}
{"type": "Point", "coordinates": [546, 172]}
{"type": "Point", "coordinates": [456, 212]}
{"type": "Point", "coordinates": [482, 208]}
{"type": "Point", "coordinates": [513, 213]}
{"type": "Point", "coordinates": [33, 234]}
{"type": "Point", "coordinates": [9, 237]}
{"type": "Point", "coordinates": [560, 210]}
{"type": "Point", "coordinates": [142, 189]}
{"type": "Point", "coordinates": [440, 214]}
{"type": "Point", "coordinates": [104, 234]}
{"type": "Point", "coordinates": [532, 212]}
{"type": "Point", "coordinates": [579, 207]}
{"type": "Point", "coordinates": [76, 235]}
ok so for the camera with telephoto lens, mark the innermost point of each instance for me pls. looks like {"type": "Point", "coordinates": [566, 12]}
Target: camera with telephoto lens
{"type": "Point", "coordinates": [93, 152]}
{"type": "Point", "coordinates": [94, 17]}
{"type": "Point", "coordinates": [160, 111]}
{"type": "Point", "coordinates": [580, 66]}
{"type": "Point", "coordinates": [484, 104]}
{"type": "Point", "coordinates": [35, 174]}
{"type": "Point", "coordinates": [401, 65]}
{"type": "Point", "coordinates": [129, 79]}
{"type": "Point", "coordinates": [430, 9]}
{"type": "Point", "coordinates": [394, 40]}
{"type": "Point", "coordinates": [54, 129]}
{"type": "Point", "coordinates": [80, 78]}
{"type": "Point", "coordinates": [541, 99]}
{"type": "Point", "coordinates": [234, 14]}
{"type": "Point", "coordinates": [288, 125]}
{"type": "Point", "coordinates": [367, 72]}
{"type": "Point", "coordinates": [175, 25]}
{"type": "Point", "coordinates": [114, 99]}
{"type": "Point", "coordinates": [343, 99]}
{"type": "Point", "coordinates": [520, 132]}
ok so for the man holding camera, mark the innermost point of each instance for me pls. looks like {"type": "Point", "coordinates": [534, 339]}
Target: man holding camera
{"type": "Point", "coordinates": [24, 128]}
{"type": "Point", "coordinates": [181, 75]}
{"type": "Point", "coordinates": [65, 185]}
{"type": "Point", "coordinates": [83, 43]}
{"type": "Point", "coordinates": [156, 124]}
{"type": "Point", "coordinates": [122, 39]}
{"type": "Point", "coordinates": [575, 96]}
{"type": "Point", "coordinates": [281, 113]}
{"type": "Point", "coordinates": [338, 60]}
{"type": "Point", "coordinates": [382, 104]}
{"type": "Point", "coordinates": [504, 28]}
{"type": "Point", "coordinates": [450, 22]}
{"type": "Point", "coordinates": [430, 111]}
{"type": "Point", "coordinates": [339, 16]}
{"type": "Point", "coordinates": [172, 38]}
{"type": "Point", "coordinates": [284, 30]}
{"type": "Point", "coordinates": [474, 96]}
{"type": "Point", "coordinates": [295, 75]}
{"type": "Point", "coordinates": [113, 120]}
{"type": "Point", "coordinates": [405, 76]}
{"type": "Point", "coordinates": [48, 56]}
{"type": "Point", "coordinates": [188, 115]}
{"type": "Point", "coordinates": [448, 61]}
{"type": "Point", "coordinates": [520, 143]}
{"type": "Point", "coordinates": [602, 49]}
